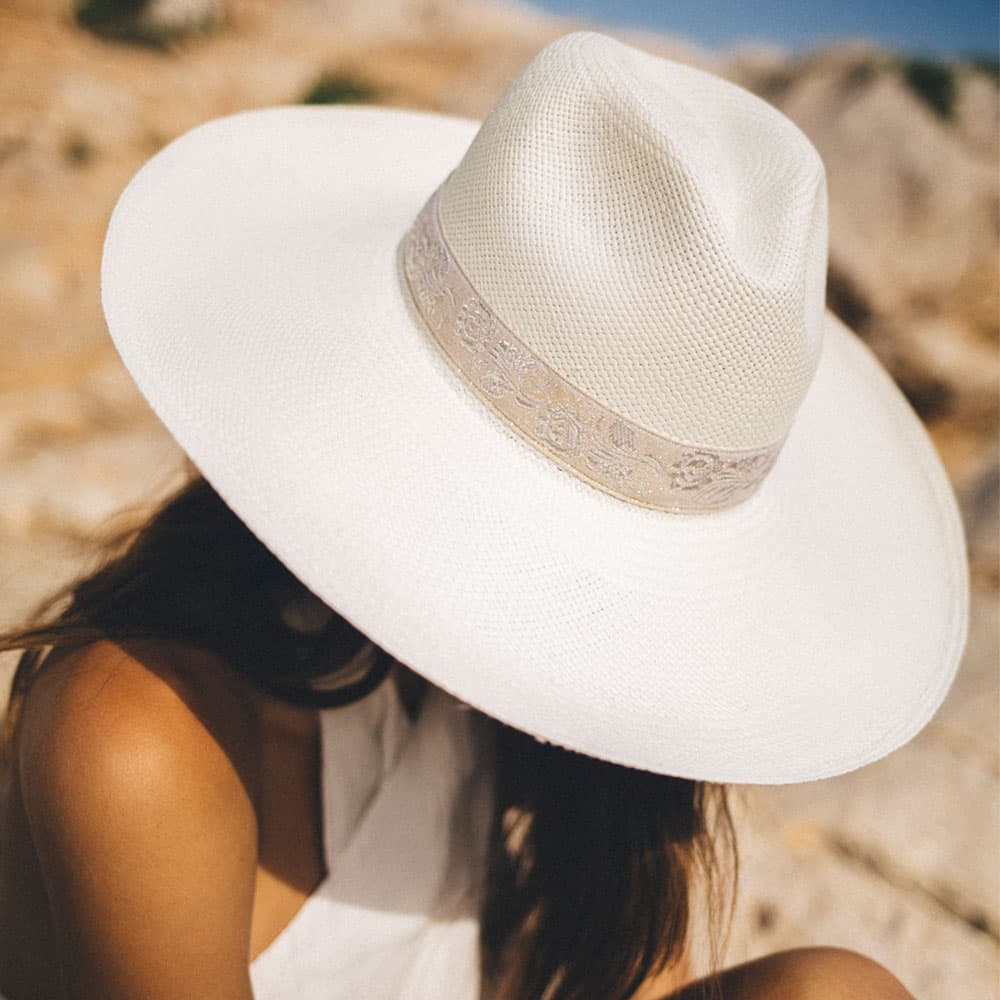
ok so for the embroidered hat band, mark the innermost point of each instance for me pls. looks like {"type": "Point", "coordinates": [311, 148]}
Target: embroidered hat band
{"type": "Point", "coordinates": [582, 435]}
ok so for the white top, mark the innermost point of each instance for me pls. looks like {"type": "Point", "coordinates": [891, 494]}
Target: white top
{"type": "Point", "coordinates": [406, 811]}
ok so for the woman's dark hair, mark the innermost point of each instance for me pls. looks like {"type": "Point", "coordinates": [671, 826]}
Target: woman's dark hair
{"type": "Point", "coordinates": [592, 865]}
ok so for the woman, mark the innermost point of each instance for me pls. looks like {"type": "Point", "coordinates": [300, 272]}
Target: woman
{"type": "Point", "coordinates": [140, 715]}
{"type": "Point", "coordinates": [615, 585]}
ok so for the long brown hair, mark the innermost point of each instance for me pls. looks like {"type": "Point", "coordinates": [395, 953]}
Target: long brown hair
{"type": "Point", "coordinates": [592, 865]}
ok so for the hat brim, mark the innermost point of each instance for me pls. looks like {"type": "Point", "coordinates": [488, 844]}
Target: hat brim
{"type": "Point", "coordinates": [250, 284]}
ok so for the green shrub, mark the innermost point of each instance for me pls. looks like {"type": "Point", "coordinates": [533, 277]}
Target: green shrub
{"type": "Point", "coordinates": [933, 82]}
{"type": "Point", "coordinates": [860, 74]}
{"type": "Point", "coordinates": [774, 85]}
{"type": "Point", "coordinates": [985, 63]}
{"type": "Point", "coordinates": [338, 88]}
{"type": "Point", "coordinates": [78, 150]}
{"type": "Point", "coordinates": [124, 21]}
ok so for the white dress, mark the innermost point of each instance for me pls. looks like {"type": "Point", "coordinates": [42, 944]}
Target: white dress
{"type": "Point", "coordinates": [406, 813]}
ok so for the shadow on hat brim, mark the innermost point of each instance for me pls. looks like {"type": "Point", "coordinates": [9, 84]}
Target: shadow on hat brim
{"type": "Point", "coordinates": [250, 284]}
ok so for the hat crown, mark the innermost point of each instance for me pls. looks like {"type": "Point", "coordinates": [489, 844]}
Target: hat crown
{"type": "Point", "coordinates": [653, 233]}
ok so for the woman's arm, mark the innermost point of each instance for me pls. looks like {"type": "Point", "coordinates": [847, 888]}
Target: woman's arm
{"type": "Point", "coordinates": [144, 832]}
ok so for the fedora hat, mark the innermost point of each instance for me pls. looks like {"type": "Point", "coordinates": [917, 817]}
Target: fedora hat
{"type": "Point", "coordinates": [550, 407]}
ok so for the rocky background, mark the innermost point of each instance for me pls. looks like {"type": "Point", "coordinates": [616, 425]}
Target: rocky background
{"type": "Point", "coordinates": [899, 859]}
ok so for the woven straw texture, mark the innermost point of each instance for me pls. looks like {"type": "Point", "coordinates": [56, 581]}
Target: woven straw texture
{"type": "Point", "coordinates": [655, 234]}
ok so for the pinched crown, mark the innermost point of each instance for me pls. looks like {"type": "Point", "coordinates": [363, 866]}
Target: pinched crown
{"type": "Point", "coordinates": [648, 243]}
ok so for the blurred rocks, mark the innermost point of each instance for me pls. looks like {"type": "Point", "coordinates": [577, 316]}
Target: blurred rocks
{"type": "Point", "coordinates": [178, 16]}
{"type": "Point", "coordinates": [799, 887]}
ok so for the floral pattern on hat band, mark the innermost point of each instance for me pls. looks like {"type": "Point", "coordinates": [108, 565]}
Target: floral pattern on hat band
{"type": "Point", "coordinates": [580, 434]}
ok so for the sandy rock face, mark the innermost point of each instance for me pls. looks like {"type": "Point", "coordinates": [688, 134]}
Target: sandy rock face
{"type": "Point", "coordinates": [184, 15]}
{"type": "Point", "coordinates": [913, 198]}
{"type": "Point", "coordinates": [900, 232]}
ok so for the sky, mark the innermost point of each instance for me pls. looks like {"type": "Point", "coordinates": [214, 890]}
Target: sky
{"type": "Point", "coordinates": [938, 27]}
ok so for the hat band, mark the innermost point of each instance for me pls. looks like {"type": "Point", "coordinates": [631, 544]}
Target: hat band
{"type": "Point", "coordinates": [580, 434]}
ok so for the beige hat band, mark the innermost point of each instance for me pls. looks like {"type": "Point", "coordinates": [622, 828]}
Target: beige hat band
{"type": "Point", "coordinates": [574, 430]}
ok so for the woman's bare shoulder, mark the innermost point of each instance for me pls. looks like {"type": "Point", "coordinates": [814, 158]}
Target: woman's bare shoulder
{"type": "Point", "coordinates": [132, 708]}
{"type": "Point", "coordinates": [138, 726]}
{"type": "Point", "coordinates": [130, 773]}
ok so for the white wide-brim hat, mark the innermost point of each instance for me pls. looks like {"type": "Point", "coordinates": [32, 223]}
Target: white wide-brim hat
{"type": "Point", "coordinates": [258, 287]}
